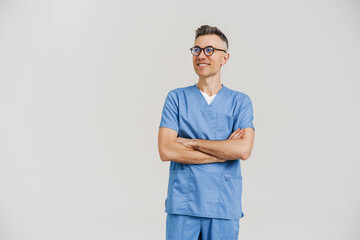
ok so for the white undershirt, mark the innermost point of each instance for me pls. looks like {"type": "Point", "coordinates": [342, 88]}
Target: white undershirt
{"type": "Point", "coordinates": [207, 98]}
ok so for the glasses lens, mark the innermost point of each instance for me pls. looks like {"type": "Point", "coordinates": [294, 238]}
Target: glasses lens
{"type": "Point", "coordinates": [195, 51]}
{"type": "Point", "coordinates": [209, 51]}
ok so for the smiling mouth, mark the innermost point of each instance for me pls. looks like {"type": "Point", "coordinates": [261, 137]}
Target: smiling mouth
{"type": "Point", "coordinates": [203, 64]}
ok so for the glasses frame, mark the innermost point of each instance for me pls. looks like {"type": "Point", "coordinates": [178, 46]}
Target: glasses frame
{"type": "Point", "coordinates": [203, 49]}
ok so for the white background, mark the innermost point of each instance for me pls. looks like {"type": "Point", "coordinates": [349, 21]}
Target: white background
{"type": "Point", "coordinates": [83, 83]}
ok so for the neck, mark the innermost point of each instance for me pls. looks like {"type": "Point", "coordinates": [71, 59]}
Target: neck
{"type": "Point", "coordinates": [210, 85]}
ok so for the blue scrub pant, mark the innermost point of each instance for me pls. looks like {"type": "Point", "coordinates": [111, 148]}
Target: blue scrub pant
{"type": "Point", "coordinates": [183, 227]}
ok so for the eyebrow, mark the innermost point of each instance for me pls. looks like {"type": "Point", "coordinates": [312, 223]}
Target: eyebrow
{"type": "Point", "coordinates": [205, 47]}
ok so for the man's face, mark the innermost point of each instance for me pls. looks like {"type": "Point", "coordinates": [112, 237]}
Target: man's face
{"type": "Point", "coordinates": [207, 66]}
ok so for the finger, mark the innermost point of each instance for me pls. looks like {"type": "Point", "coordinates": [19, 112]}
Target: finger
{"type": "Point", "coordinates": [234, 131]}
{"type": "Point", "coordinates": [240, 133]}
{"type": "Point", "coordinates": [234, 134]}
{"type": "Point", "coordinates": [231, 135]}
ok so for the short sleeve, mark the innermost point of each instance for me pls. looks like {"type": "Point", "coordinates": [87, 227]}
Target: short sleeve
{"type": "Point", "coordinates": [245, 117]}
{"type": "Point", "coordinates": [170, 112]}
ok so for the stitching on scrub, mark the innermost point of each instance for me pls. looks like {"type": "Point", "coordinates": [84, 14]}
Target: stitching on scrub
{"type": "Point", "coordinates": [222, 125]}
{"type": "Point", "coordinates": [217, 228]}
{"type": "Point", "coordinates": [236, 227]}
{"type": "Point", "coordinates": [241, 108]}
{"type": "Point", "coordinates": [183, 227]}
{"type": "Point", "coordinates": [218, 117]}
{"type": "Point", "coordinates": [216, 124]}
{"type": "Point", "coordinates": [188, 190]}
{"type": "Point", "coordinates": [220, 193]}
{"type": "Point", "coordinates": [203, 227]}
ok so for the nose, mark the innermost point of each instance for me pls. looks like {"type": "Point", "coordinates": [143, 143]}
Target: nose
{"type": "Point", "coordinates": [202, 53]}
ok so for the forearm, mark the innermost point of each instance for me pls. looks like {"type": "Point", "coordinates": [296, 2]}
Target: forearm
{"type": "Point", "coordinates": [230, 149]}
{"type": "Point", "coordinates": [177, 152]}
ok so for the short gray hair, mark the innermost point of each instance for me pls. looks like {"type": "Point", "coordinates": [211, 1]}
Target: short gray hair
{"type": "Point", "coordinates": [208, 30]}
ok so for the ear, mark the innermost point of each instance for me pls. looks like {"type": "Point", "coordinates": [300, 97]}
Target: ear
{"type": "Point", "coordinates": [225, 59]}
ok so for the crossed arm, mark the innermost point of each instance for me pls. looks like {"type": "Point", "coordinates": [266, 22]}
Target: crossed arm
{"type": "Point", "coordinates": [201, 151]}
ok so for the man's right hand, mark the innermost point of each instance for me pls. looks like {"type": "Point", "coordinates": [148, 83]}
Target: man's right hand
{"type": "Point", "coordinates": [237, 134]}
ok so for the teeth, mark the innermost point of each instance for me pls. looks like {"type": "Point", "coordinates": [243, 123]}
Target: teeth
{"type": "Point", "coordinates": [202, 64]}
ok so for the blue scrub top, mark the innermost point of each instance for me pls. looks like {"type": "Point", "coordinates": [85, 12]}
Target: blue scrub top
{"type": "Point", "coordinates": [206, 190]}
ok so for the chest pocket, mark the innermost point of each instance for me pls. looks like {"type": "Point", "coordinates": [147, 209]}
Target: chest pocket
{"type": "Point", "coordinates": [224, 126]}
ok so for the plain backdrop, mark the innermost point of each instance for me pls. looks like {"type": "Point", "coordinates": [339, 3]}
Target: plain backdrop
{"type": "Point", "coordinates": [82, 87]}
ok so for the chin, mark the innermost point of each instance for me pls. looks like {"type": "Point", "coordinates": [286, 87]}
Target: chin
{"type": "Point", "coordinates": [202, 74]}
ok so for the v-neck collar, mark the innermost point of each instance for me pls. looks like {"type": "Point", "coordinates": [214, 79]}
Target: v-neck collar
{"type": "Point", "coordinates": [216, 98]}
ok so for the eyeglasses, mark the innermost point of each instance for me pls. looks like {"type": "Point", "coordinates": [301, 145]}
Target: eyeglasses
{"type": "Point", "coordinates": [208, 51]}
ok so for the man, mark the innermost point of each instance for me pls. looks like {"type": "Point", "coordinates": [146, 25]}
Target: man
{"type": "Point", "coordinates": [196, 134]}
